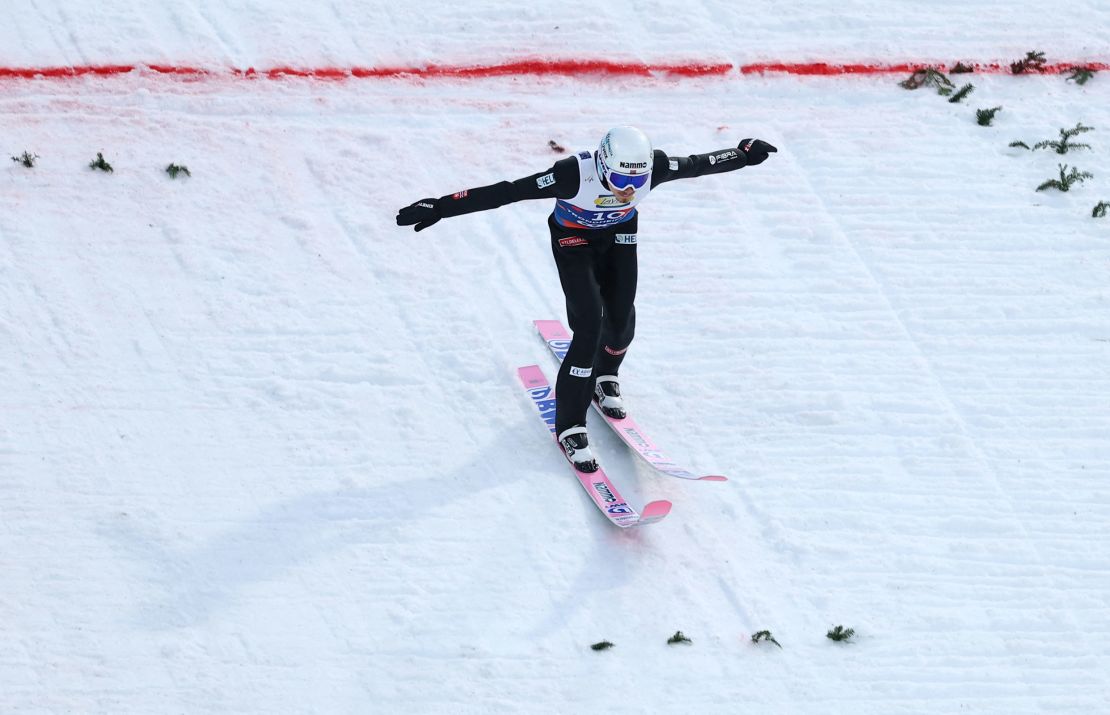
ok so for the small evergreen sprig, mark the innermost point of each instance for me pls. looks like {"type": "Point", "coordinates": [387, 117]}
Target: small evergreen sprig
{"type": "Point", "coordinates": [28, 159]}
{"type": "Point", "coordinates": [1100, 208]}
{"type": "Point", "coordinates": [1080, 75]}
{"type": "Point", "coordinates": [1020, 144]}
{"type": "Point", "coordinates": [99, 163]}
{"type": "Point", "coordinates": [1033, 62]}
{"type": "Point", "coordinates": [764, 636]}
{"type": "Point", "coordinates": [984, 117]}
{"type": "Point", "coordinates": [929, 77]}
{"type": "Point", "coordinates": [840, 633]}
{"type": "Point", "coordinates": [678, 637]}
{"type": "Point", "coordinates": [1062, 146]}
{"type": "Point", "coordinates": [962, 94]}
{"type": "Point", "coordinates": [174, 169]}
{"type": "Point", "coordinates": [1067, 178]}
{"type": "Point", "coordinates": [601, 645]}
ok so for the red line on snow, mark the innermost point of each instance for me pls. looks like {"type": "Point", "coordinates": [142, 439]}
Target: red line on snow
{"type": "Point", "coordinates": [822, 68]}
{"type": "Point", "coordinates": [572, 68]}
{"type": "Point", "coordinates": [577, 67]}
{"type": "Point", "coordinates": [56, 72]}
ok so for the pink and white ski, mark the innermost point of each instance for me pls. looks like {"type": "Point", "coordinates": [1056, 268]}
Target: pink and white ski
{"type": "Point", "coordinates": [558, 339]}
{"type": "Point", "coordinates": [602, 491]}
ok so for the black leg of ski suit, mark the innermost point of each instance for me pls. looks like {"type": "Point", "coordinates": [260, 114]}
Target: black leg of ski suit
{"type": "Point", "coordinates": [598, 276]}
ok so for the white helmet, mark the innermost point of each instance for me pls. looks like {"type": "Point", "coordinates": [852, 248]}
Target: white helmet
{"type": "Point", "coordinates": [624, 158]}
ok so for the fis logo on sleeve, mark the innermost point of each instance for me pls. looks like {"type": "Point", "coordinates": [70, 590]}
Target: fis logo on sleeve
{"type": "Point", "coordinates": [673, 164]}
{"type": "Point", "coordinates": [545, 180]}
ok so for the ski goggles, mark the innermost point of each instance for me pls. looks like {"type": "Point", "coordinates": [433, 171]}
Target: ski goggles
{"type": "Point", "coordinates": [623, 181]}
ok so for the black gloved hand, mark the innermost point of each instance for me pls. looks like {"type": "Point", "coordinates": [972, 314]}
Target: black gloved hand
{"type": "Point", "coordinates": [756, 150]}
{"type": "Point", "coordinates": [423, 213]}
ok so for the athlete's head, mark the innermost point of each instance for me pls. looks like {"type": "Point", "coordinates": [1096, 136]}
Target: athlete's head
{"type": "Point", "coordinates": [624, 160]}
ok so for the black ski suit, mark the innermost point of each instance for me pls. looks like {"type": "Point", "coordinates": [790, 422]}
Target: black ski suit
{"type": "Point", "coordinates": [593, 239]}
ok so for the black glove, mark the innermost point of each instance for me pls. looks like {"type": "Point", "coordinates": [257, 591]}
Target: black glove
{"type": "Point", "coordinates": [423, 213]}
{"type": "Point", "coordinates": [756, 150]}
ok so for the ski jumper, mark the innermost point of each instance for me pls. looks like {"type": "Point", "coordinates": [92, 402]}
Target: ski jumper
{"type": "Point", "coordinates": [593, 240]}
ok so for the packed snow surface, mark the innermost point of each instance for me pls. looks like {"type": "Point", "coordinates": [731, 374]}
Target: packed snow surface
{"type": "Point", "coordinates": [263, 451]}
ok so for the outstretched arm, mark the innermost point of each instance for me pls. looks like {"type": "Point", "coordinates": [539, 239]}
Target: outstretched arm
{"type": "Point", "coordinates": [748, 153]}
{"type": "Point", "coordinates": [560, 181]}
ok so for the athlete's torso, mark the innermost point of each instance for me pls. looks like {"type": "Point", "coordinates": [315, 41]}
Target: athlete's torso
{"type": "Point", "coordinates": [594, 207]}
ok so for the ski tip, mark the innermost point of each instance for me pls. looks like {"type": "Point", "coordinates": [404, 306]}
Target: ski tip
{"type": "Point", "coordinates": [713, 478]}
{"type": "Point", "coordinates": [653, 511]}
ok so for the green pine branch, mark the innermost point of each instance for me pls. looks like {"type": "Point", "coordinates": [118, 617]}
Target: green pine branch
{"type": "Point", "coordinates": [173, 170]}
{"type": "Point", "coordinates": [962, 94]}
{"type": "Point", "coordinates": [1080, 75]}
{"type": "Point", "coordinates": [99, 163]}
{"type": "Point", "coordinates": [678, 638]}
{"type": "Point", "coordinates": [1067, 179]}
{"type": "Point", "coordinates": [984, 117]}
{"type": "Point", "coordinates": [602, 645]}
{"type": "Point", "coordinates": [1033, 62]}
{"type": "Point", "coordinates": [1100, 209]}
{"type": "Point", "coordinates": [840, 633]}
{"type": "Point", "coordinates": [764, 636]}
{"type": "Point", "coordinates": [1021, 144]}
{"type": "Point", "coordinates": [1063, 146]}
{"type": "Point", "coordinates": [28, 159]}
{"type": "Point", "coordinates": [1075, 131]}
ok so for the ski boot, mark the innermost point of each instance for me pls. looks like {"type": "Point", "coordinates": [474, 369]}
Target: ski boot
{"type": "Point", "coordinates": [607, 394]}
{"type": "Point", "coordinates": [576, 445]}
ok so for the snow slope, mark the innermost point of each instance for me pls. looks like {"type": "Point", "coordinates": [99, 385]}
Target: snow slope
{"type": "Point", "coordinates": [263, 451]}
